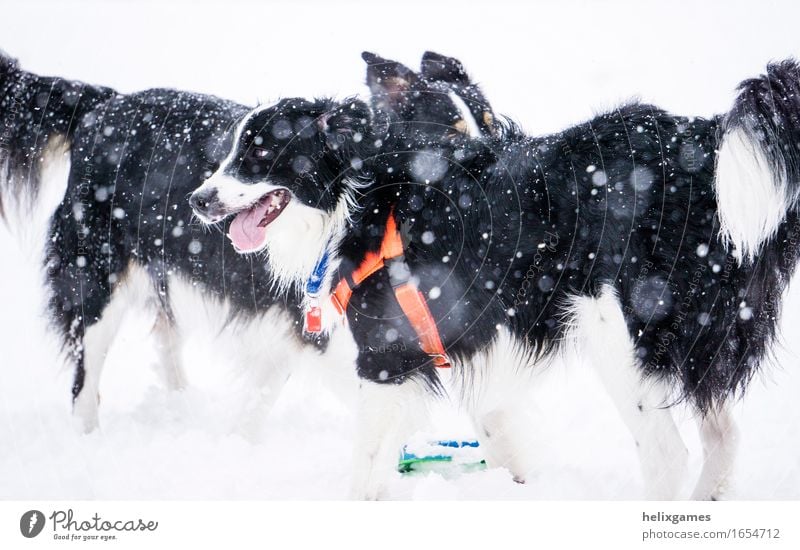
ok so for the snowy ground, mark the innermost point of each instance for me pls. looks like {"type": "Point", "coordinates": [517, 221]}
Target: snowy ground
{"type": "Point", "coordinates": [548, 66]}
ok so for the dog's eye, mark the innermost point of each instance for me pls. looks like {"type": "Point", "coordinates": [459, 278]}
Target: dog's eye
{"type": "Point", "coordinates": [261, 153]}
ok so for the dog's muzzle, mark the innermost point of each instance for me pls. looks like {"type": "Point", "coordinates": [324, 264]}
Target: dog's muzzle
{"type": "Point", "coordinates": [206, 204]}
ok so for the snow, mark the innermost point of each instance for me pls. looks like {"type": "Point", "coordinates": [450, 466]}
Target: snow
{"type": "Point", "coordinates": [547, 64]}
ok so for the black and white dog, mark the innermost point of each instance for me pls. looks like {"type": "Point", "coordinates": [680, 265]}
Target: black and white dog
{"type": "Point", "coordinates": [123, 239]}
{"type": "Point", "coordinates": [657, 246]}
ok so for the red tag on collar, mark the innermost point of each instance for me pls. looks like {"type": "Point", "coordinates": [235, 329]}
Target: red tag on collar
{"type": "Point", "coordinates": [314, 319]}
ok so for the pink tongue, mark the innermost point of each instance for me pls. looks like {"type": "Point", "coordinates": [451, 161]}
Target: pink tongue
{"type": "Point", "coordinates": [244, 232]}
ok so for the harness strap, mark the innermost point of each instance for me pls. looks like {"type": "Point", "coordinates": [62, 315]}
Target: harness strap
{"type": "Point", "coordinates": [415, 307]}
{"type": "Point", "coordinates": [409, 297]}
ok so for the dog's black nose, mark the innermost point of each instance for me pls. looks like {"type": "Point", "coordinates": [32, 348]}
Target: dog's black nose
{"type": "Point", "coordinates": [204, 202]}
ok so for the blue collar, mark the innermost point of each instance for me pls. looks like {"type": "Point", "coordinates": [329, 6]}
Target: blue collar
{"type": "Point", "coordinates": [314, 283]}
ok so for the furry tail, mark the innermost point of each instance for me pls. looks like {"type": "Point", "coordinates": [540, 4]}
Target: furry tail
{"type": "Point", "coordinates": [758, 165]}
{"type": "Point", "coordinates": [38, 116]}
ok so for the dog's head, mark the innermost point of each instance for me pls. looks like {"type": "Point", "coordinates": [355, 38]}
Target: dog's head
{"type": "Point", "coordinates": [289, 180]}
{"type": "Point", "coordinates": [440, 99]}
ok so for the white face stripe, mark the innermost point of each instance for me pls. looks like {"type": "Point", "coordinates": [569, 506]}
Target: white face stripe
{"type": "Point", "coordinates": [238, 135]}
{"type": "Point", "coordinates": [473, 130]}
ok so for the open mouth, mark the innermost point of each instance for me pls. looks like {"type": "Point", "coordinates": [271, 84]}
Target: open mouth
{"type": "Point", "coordinates": [248, 231]}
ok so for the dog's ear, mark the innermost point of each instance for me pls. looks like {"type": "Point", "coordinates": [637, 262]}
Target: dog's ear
{"type": "Point", "coordinates": [440, 68]}
{"type": "Point", "coordinates": [347, 118]}
{"type": "Point", "coordinates": [435, 66]}
{"type": "Point", "coordinates": [390, 83]}
{"type": "Point", "coordinates": [348, 131]}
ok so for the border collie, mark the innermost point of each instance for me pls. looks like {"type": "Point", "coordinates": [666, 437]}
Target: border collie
{"type": "Point", "coordinates": [656, 245]}
{"type": "Point", "coordinates": [123, 236]}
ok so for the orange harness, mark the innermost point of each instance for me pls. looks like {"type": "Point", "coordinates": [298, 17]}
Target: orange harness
{"type": "Point", "coordinates": [410, 299]}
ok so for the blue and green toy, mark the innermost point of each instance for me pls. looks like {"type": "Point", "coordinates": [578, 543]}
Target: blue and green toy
{"type": "Point", "coordinates": [447, 457]}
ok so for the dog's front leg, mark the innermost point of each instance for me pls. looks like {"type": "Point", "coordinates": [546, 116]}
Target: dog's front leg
{"type": "Point", "coordinates": [387, 414]}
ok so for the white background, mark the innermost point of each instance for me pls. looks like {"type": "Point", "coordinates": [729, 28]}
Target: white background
{"type": "Point", "coordinates": [546, 64]}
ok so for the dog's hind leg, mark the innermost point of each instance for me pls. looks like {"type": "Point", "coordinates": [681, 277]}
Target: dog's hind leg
{"type": "Point", "coordinates": [662, 452]}
{"type": "Point", "coordinates": [90, 354]}
{"type": "Point", "coordinates": [386, 415]}
{"type": "Point", "coordinates": [603, 336]}
{"type": "Point", "coordinates": [91, 350]}
{"type": "Point", "coordinates": [719, 436]}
